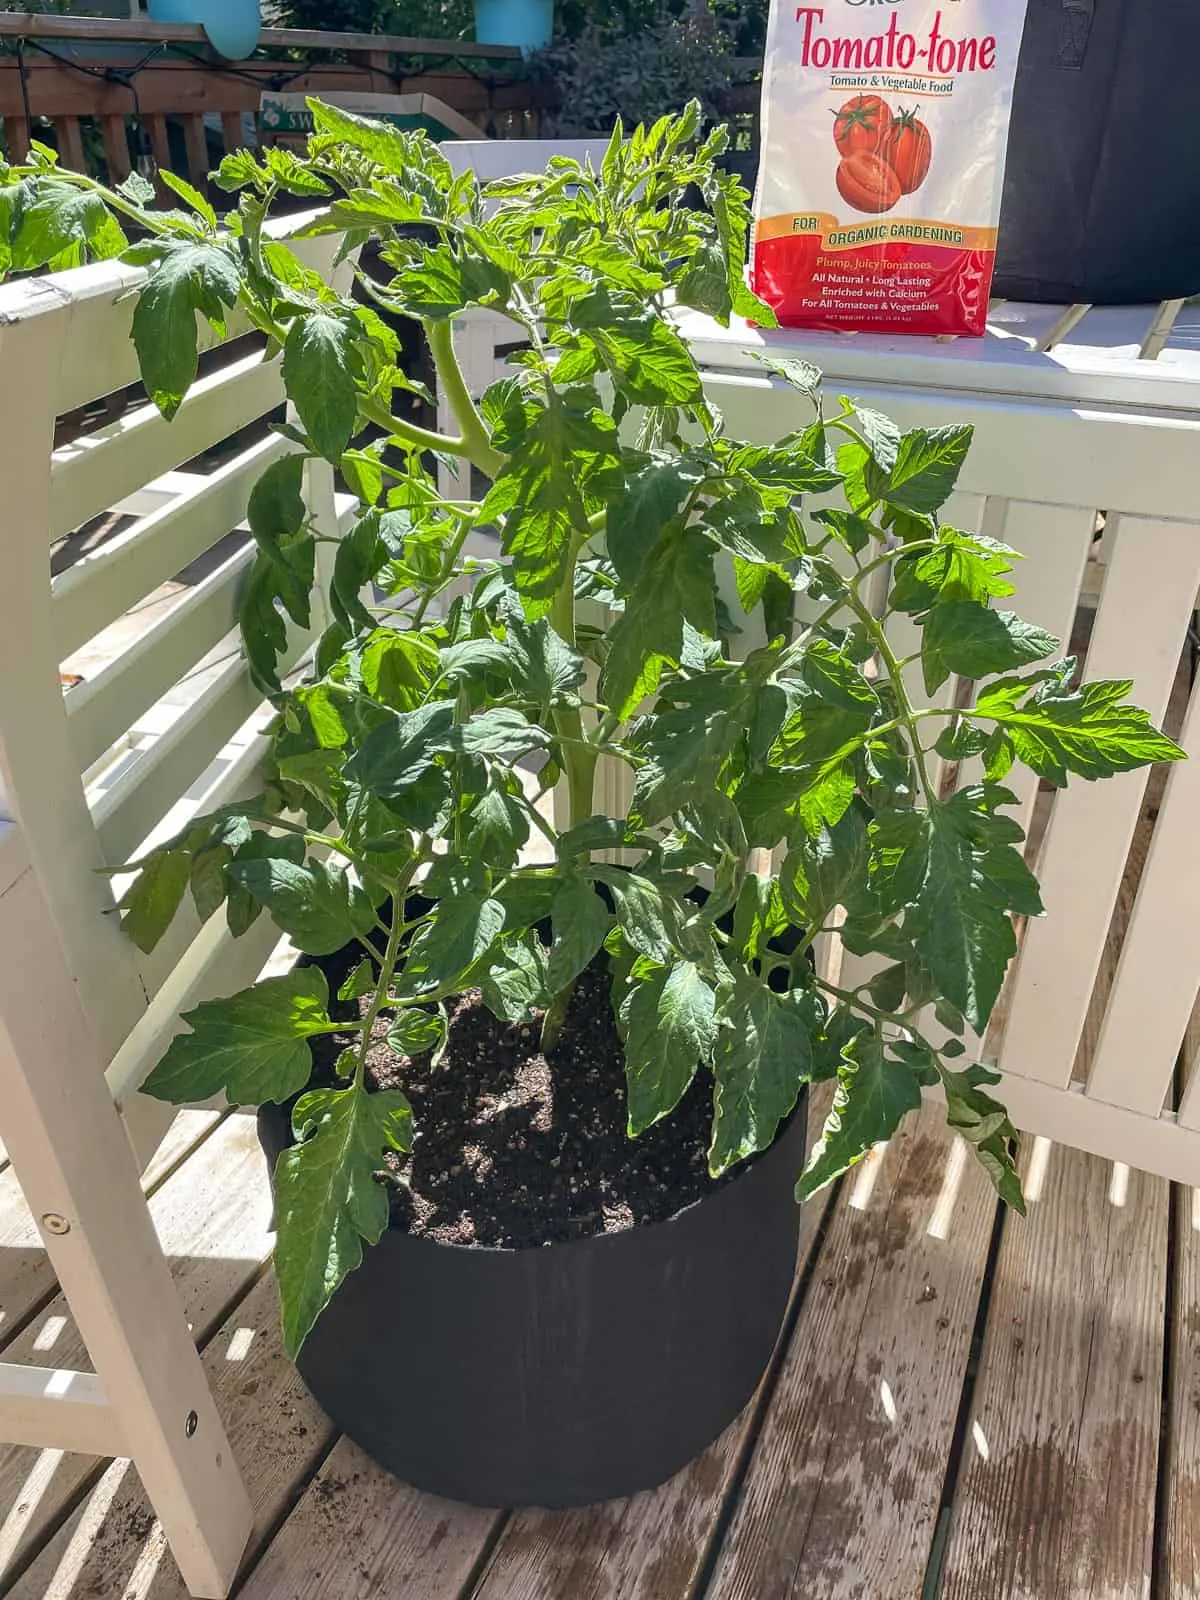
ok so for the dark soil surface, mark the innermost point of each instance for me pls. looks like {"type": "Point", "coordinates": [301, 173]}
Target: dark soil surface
{"type": "Point", "coordinates": [513, 1149]}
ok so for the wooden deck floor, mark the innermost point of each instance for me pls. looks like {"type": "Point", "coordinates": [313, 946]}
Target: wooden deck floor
{"type": "Point", "coordinates": [965, 1405]}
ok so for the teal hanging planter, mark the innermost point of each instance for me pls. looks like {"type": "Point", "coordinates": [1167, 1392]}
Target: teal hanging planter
{"type": "Point", "coordinates": [528, 24]}
{"type": "Point", "coordinates": [233, 26]}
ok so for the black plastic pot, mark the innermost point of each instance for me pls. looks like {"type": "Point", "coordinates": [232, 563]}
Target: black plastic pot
{"type": "Point", "coordinates": [564, 1375]}
{"type": "Point", "coordinates": [1102, 187]}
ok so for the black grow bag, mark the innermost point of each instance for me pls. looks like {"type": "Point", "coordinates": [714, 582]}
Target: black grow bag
{"type": "Point", "coordinates": [1102, 187]}
{"type": "Point", "coordinates": [563, 1375]}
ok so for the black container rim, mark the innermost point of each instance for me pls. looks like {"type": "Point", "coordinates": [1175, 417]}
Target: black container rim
{"type": "Point", "coordinates": [273, 1109]}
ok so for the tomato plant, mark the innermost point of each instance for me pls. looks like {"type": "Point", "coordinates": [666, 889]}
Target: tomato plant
{"type": "Point", "coordinates": [796, 780]}
{"type": "Point", "coordinates": [861, 124]}
{"type": "Point", "coordinates": [908, 150]}
{"type": "Point", "coordinates": [867, 182]}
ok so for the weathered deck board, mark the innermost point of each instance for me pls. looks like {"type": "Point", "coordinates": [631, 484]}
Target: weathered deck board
{"type": "Point", "coordinates": [1056, 1498]}
{"type": "Point", "coordinates": [213, 1220]}
{"type": "Point", "coordinates": [186, 1133]}
{"type": "Point", "coordinates": [113, 1546]}
{"type": "Point", "coordinates": [842, 1496]}
{"type": "Point", "coordinates": [359, 1532]}
{"type": "Point", "coordinates": [649, 1546]}
{"type": "Point", "coordinates": [1180, 1554]}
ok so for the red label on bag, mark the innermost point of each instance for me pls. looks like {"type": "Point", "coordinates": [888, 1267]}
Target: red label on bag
{"type": "Point", "coordinates": [883, 161]}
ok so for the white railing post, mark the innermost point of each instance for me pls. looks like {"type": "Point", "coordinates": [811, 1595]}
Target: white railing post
{"type": "Point", "coordinates": [149, 1398]}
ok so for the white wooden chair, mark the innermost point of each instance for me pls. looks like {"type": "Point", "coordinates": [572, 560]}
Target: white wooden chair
{"type": "Point", "coordinates": [164, 723]}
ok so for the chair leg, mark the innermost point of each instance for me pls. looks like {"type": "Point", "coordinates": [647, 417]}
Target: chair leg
{"type": "Point", "coordinates": [78, 1173]}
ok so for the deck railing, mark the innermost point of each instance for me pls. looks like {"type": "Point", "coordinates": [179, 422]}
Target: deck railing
{"type": "Point", "coordinates": [125, 700]}
{"type": "Point", "coordinates": [153, 95]}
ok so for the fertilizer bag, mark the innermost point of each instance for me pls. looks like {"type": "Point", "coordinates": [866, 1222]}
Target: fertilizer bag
{"type": "Point", "coordinates": [884, 131]}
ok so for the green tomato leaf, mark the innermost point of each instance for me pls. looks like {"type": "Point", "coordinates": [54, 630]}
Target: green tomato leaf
{"type": "Point", "coordinates": [826, 869]}
{"type": "Point", "coordinates": [985, 1125]}
{"type": "Point", "coordinates": [965, 937]}
{"type": "Point", "coordinates": [361, 555]}
{"type": "Point", "coordinates": [775, 805]}
{"type": "Point", "coordinates": [321, 367]}
{"type": "Point", "coordinates": [397, 151]}
{"type": "Point", "coordinates": [965, 566]}
{"type": "Point", "coordinates": [290, 172]}
{"type": "Point", "coordinates": [873, 1097]}
{"type": "Point", "coordinates": [802, 376]}
{"type": "Point", "coordinates": [500, 732]}
{"type": "Point", "coordinates": [55, 224]}
{"type": "Point", "coordinates": [602, 833]}
{"type": "Point", "coordinates": [691, 733]}
{"type": "Point", "coordinates": [189, 195]}
{"type": "Point", "coordinates": [399, 752]}
{"type": "Point", "coordinates": [149, 905]}
{"type": "Point", "coordinates": [328, 1202]}
{"type": "Point", "coordinates": [854, 532]}
{"type": "Point", "coordinates": [558, 459]}
{"type": "Point", "coordinates": [646, 501]}
{"type": "Point", "coordinates": [837, 680]}
{"type": "Point", "coordinates": [763, 1056]}
{"type": "Point", "coordinates": [546, 667]}
{"type": "Point", "coordinates": [416, 1031]}
{"type": "Point", "coordinates": [759, 916]}
{"type": "Point", "coordinates": [785, 467]}
{"type": "Point", "coordinates": [1092, 731]}
{"type": "Point", "coordinates": [252, 1047]}
{"type": "Point", "coordinates": [187, 279]}
{"type": "Point", "coordinates": [581, 922]}
{"type": "Point", "coordinates": [460, 932]}
{"type": "Point", "coordinates": [207, 881]}
{"type": "Point", "coordinates": [649, 916]}
{"type": "Point", "coordinates": [527, 896]}
{"type": "Point", "coordinates": [496, 828]}
{"type": "Point", "coordinates": [965, 637]}
{"type": "Point", "coordinates": [514, 987]}
{"type": "Point", "coordinates": [361, 981]}
{"type": "Point", "coordinates": [242, 910]}
{"type": "Point", "coordinates": [882, 436]}
{"type": "Point", "coordinates": [238, 170]}
{"type": "Point", "coordinates": [928, 462]}
{"type": "Point", "coordinates": [648, 360]}
{"type": "Point", "coordinates": [727, 201]}
{"type": "Point", "coordinates": [668, 1021]}
{"type": "Point", "coordinates": [319, 906]}
{"type": "Point", "coordinates": [275, 510]}
{"type": "Point", "coordinates": [399, 669]}
{"type": "Point", "coordinates": [441, 284]}
{"type": "Point", "coordinates": [676, 587]}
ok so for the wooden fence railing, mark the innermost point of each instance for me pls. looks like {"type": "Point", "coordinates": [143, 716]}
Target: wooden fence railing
{"type": "Point", "coordinates": [131, 94]}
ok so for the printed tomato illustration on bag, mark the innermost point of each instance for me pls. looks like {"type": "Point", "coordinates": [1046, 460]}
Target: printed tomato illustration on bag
{"type": "Point", "coordinates": [883, 156]}
{"type": "Point", "coordinates": [908, 150]}
{"type": "Point", "coordinates": [884, 136]}
{"type": "Point", "coordinates": [861, 124]}
{"type": "Point", "coordinates": [867, 182]}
